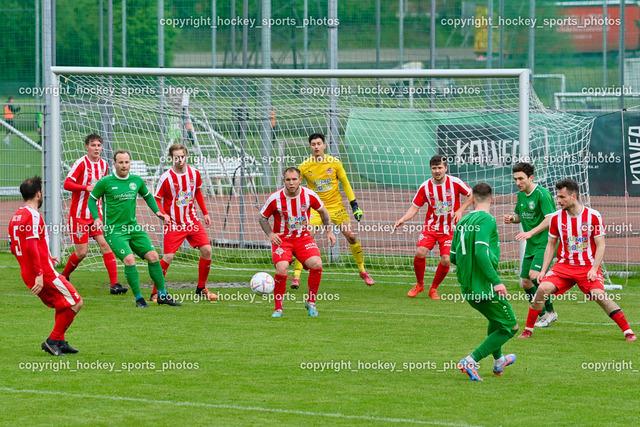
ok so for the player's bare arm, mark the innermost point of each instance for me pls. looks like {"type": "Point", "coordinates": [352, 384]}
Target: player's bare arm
{"type": "Point", "coordinates": [512, 218]}
{"type": "Point", "coordinates": [599, 256]}
{"type": "Point", "coordinates": [326, 221]}
{"type": "Point", "coordinates": [413, 211]}
{"type": "Point", "coordinates": [273, 237]}
{"type": "Point", "coordinates": [538, 229]}
{"type": "Point", "coordinates": [548, 256]}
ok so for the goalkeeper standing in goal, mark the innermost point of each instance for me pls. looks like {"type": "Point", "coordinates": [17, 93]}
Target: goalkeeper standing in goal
{"type": "Point", "coordinates": [441, 194]}
{"type": "Point", "coordinates": [119, 192]}
{"type": "Point", "coordinates": [534, 203]}
{"type": "Point", "coordinates": [323, 174]}
{"type": "Point", "coordinates": [475, 251]}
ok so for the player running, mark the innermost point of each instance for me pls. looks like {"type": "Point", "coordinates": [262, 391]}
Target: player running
{"type": "Point", "coordinates": [581, 250]}
{"type": "Point", "coordinates": [178, 187]}
{"type": "Point", "coordinates": [29, 240]}
{"type": "Point", "coordinates": [81, 179]}
{"type": "Point", "coordinates": [122, 232]}
{"type": "Point", "coordinates": [476, 252]}
{"type": "Point", "coordinates": [323, 174]}
{"type": "Point", "coordinates": [441, 193]}
{"type": "Point", "coordinates": [534, 203]}
{"type": "Point", "coordinates": [290, 208]}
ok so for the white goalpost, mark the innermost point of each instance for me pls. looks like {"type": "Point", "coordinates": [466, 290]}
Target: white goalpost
{"type": "Point", "coordinates": [242, 127]}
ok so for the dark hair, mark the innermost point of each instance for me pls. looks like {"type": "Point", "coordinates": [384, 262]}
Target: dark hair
{"type": "Point", "coordinates": [481, 192]}
{"type": "Point", "coordinates": [316, 136]}
{"type": "Point", "coordinates": [571, 186]}
{"type": "Point", "coordinates": [524, 167]}
{"type": "Point", "coordinates": [437, 159]}
{"type": "Point", "coordinates": [291, 169]}
{"type": "Point", "coordinates": [92, 137]}
{"type": "Point", "coordinates": [121, 151]}
{"type": "Point", "coordinates": [30, 187]}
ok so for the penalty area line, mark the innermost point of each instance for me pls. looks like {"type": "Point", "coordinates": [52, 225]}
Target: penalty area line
{"type": "Point", "coordinates": [223, 406]}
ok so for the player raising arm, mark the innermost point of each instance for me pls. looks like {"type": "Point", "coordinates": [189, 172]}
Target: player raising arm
{"type": "Point", "coordinates": [82, 177]}
{"type": "Point", "coordinates": [119, 192]}
{"type": "Point", "coordinates": [323, 174]}
{"type": "Point", "coordinates": [30, 245]}
{"type": "Point", "coordinates": [475, 251]}
{"type": "Point", "coordinates": [580, 231]}
{"type": "Point", "coordinates": [290, 208]}
{"type": "Point", "coordinates": [441, 194]}
{"type": "Point", "coordinates": [534, 203]}
{"type": "Point", "coordinates": [177, 189]}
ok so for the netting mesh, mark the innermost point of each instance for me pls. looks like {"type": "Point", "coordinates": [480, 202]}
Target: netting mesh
{"type": "Point", "coordinates": [242, 132]}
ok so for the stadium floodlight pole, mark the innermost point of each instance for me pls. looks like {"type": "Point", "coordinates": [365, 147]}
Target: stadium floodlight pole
{"type": "Point", "coordinates": [54, 158]}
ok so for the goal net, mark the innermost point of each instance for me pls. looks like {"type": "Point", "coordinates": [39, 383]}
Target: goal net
{"type": "Point", "coordinates": [242, 131]}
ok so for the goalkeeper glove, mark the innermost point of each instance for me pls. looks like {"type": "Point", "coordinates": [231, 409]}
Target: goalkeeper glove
{"type": "Point", "coordinates": [357, 212]}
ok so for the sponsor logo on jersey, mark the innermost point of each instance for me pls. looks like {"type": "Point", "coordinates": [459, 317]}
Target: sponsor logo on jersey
{"type": "Point", "coordinates": [184, 198]}
{"type": "Point", "coordinates": [311, 245]}
{"type": "Point", "coordinates": [576, 244]}
{"type": "Point", "coordinates": [532, 204]}
{"type": "Point", "coordinates": [304, 207]}
{"type": "Point", "coordinates": [322, 185]}
{"type": "Point", "coordinates": [133, 186]}
{"type": "Point", "coordinates": [329, 171]}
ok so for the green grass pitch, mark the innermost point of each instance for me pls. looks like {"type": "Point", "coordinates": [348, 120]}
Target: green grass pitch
{"type": "Point", "coordinates": [386, 359]}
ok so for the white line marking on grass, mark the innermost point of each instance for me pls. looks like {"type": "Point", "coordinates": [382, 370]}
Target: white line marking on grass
{"type": "Point", "coordinates": [223, 406]}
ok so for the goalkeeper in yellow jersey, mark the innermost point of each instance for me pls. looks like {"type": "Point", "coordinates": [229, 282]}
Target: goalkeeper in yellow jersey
{"type": "Point", "coordinates": [323, 174]}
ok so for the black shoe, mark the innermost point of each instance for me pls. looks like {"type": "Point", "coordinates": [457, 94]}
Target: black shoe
{"type": "Point", "coordinates": [66, 348]}
{"type": "Point", "coordinates": [118, 289]}
{"type": "Point", "coordinates": [141, 303]}
{"type": "Point", "coordinates": [51, 347]}
{"type": "Point", "coordinates": [166, 299]}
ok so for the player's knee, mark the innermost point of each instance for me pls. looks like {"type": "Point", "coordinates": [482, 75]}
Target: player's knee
{"type": "Point", "coordinates": [129, 260]}
{"type": "Point", "coordinates": [152, 256]}
{"type": "Point", "coordinates": [527, 284]}
{"type": "Point", "coordinates": [314, 262]}
{"type": "Point", "coordinates": [546, 288]}
{"type": "Point", "coordinates": [205, 252]}
{"type": "Point", "coordinates": [513, 331]}
{"type": "Point", "coordinates": [421, 252]}
{"type": "Point", "coordinates": [282, 270]}
{"type": "Point", "coordinates": [81, 252]}
{"type": "Point", "coordinates": [168, 258]}
{"type": "Point", "coordinates": [533, 275]}
{"type": "Point", "coordinates": [445, 260]}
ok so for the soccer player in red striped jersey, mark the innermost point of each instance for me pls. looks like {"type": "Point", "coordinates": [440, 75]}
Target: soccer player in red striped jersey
{"type": "Point", "coordinates": [290, 208]}
{"type": "Point", "coordinates": [177, 189]}
{"type": "Point", "coordinates": [441, 193]}
{"type": "Point", "coordinates": [29, 239]}
{"type": "Point", "coordinates": [581, 250]}
{"type": "Point", "coordinates": [81, 179]}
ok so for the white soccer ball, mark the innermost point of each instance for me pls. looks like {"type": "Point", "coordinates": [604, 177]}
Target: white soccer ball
{"type": "Point", "coordinates": [262, 283]}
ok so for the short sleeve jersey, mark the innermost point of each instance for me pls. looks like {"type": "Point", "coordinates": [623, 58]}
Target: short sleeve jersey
{"type": "Point", "coordinates": [442, 201]}
{"type": "Point", "coordinates": [119, 196]}
{"type": "Point", "coordinates": [291, 214]}
{"type": "Point", "coordinates": [177, 192]}
{"type": "Point", "coordinates": [84, 172]}
{"type": "Point", "coordinates": [532, 209]}
{"type": "Point", "coordinates": [323, 177]}
{"type": "Point", "coordinates": [577, 235]}
{"type": "Point", "coordinates": [477, 231]}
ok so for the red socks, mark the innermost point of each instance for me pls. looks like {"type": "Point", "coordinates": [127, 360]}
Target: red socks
{"type": "Point", "coordinates": [315, 274]}
{"type": "Point", "coordinates": [532, 317]}
{"type": "Point", "coordinates": [72, 264]}
{"type": "Point", "coordinates": [618, 317]}
{"type": "Point", "coordinates": [418, 267]}
{"type": "Point", "coordinates": [64, 318]}
{"type": "Point", "coordinates": [279, 289]}
{"type": "Point", "coordinates": [112, 267]}
{"type": "Point", "coordinates": [203, 272]}
{"type": "Point", "coordinates": [441, 273]}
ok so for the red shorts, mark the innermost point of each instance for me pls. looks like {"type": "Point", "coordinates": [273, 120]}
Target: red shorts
{"type": "Point", "coordinates": [564, 277]}
{"type": "Point", "coordinates": [175, 235]}
{"type": "Point", "coordinates": [81, 229]}
{"type": "Point", "coordinates": [302, 247]}
{"type": "Point", "coordinates": [428, 240]}
{"type": "Point", "coordinates": [58, 293]}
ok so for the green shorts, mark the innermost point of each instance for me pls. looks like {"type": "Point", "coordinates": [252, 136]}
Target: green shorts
{"type": "Point", "coordinates": [498, 311]}
{"type": "Point", "coordinates": [533, 262]}
{"type": "Point", "coordinates": [123, 244]}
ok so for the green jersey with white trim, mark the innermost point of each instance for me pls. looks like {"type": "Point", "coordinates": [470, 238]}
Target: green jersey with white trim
{"type": "Point", "coordinates": [476, 252]}
{"type": "Point", "coordinates": [119, 197]}
{"type": "Point", "coordinates": [532, 208]}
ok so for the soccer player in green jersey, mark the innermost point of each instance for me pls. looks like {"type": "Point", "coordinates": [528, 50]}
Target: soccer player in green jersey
{"type": "Point", "coordinates": [119, 192]}
{"type": "Point", "coordinates": [533, 205]}
{"type": "Point", "coordinates": [475, 252]}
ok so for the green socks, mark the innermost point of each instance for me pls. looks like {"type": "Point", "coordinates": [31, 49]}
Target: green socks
{"type": "Point", "coordinates": [155, 271]}
{"type": "Point", "coordinates": [131, 274]}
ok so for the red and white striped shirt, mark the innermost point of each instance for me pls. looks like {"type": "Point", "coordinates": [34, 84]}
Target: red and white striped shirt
{"type": "Point", "coordinates": [85, 172]}
{"type": "Point", "coordinates": [577, 235]}
{"type": "Point", "coordinates": [176, 193]}
{"type": "Point", "coordinates": [291, 214]}
{"type": "Point", "coordinates": [442, 201]}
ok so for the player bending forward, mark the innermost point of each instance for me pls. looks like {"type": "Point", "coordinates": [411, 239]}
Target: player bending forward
{"type": "Point", "coordinates": [81, 180]}
{"type": "Point", "coordinates": [441, 194]}
{"type": "Point", "coordinates": [580, 253]}
{"type": "Point", "coordinates": [323, 174]}
{"type": "Point", "coordinates": [30, 245]}
{"type": "Point", "coordinates": [476, 253]}
{"type": "Point", "coordinates": [290, 208]}
{"type": "Point", "coordinates": [124, 235]}
{"type": "Point", "coordinates": [177, 189]}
